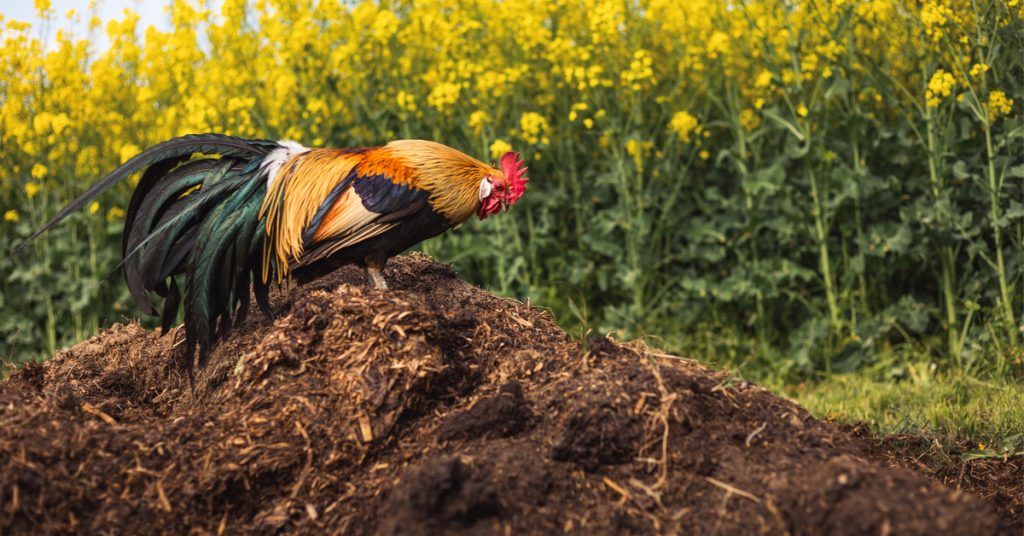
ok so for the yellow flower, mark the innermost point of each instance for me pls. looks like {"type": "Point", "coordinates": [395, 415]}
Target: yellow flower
{"type": "Point", "coordinates": [637, 150]}
{"type": "Point", "coordinates": [717, 44]}
{"type": "Point", "coordinates": [632, 147]}
{"type": "Point", "coordinates": [683, 124]}
{"type": "Point", "coordinates": [477, 120]}
{"type": "Point", "coordinates": [39, 171]}
{"type": "Point", "coordinates": [406, 101]}
{"type": "Point", "coordinates": [499, 148]}
{"type": "Point", "coordinates": [129, 150]}
{"type": "Point", "coordinates": [11, 215]}
{"type": "Point", "coordinates": [589, 123]}
{"type": "Point", "coordinates": [59, 122]}
{"type": "Point", "coordinates": [941, 85]}
{"type": "Point", "coordinates": [444, 95]}
{"type": "Point", "coordinates": [640, 71]}
{"type": "Point", "coordinates": [802, 111]}
{"type": "Point", "coordinates": [115, 213]}
{"type": "Point", "coordinates": [749, 120]}
{"type": "Point", "coordinates": [94, 207]}
{"type": "Point", "coordinates": [978, 69]}
{"type": "Point", "coordinates": [764, 79]}
{"type": "Point", "coordinates": [704, 154]}
{"type": "Point", "coordinates": [759, 103]}
{"type": "Point", "coordinates": [998, 104]}
{"type": "Point", "coordinates": [533, 126]}
{"type": "Point", "coordinates": [31, 189]}
{"type": "Point", "coordinates": [934, 17]}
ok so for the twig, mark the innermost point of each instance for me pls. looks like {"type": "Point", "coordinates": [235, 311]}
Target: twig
{"type": "Point", "coordinates": [732, 489]}
{"type": "Point", "coordinates": [93, 410]}
{"type": "Point", "coordinates": [753, 434]}
{"type": "Point", "coordinates": [164, 503]}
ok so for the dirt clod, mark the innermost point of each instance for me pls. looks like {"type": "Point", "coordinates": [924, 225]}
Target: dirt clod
{"type": "Point", "coordinates": [432, 408]}
{"type": "Point", "coordinates": [596, 436]}
{"type": "Point", "coordinates": [503, 415]}
{"type": "Point", "coordinates": [443, 493]}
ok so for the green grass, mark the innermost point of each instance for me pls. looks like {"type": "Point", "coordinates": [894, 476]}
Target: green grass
{"type": "Point", "coordinates": [899, 387]}
{"type": "Point", "coordinates": [989, 411]}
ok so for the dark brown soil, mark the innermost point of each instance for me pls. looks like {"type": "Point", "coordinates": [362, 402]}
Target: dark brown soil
{"type": "Point", "coordinates": [999, 481]}
{"type": "Point", "coordinates": [433, 408]}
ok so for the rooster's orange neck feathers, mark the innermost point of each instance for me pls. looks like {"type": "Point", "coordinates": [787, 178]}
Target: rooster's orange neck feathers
{"type": "Point", "coordinates": [451, 177]}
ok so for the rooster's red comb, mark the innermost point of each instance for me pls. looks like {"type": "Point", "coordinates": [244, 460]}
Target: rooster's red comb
{"type": "Point", "coordinates": [515, 174]}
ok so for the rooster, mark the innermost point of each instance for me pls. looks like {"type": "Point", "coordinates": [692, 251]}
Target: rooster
{"type": "Point", "coordinates": [232, 214]}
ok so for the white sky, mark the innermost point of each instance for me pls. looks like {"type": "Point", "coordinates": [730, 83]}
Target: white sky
{"type": "Point", "coordinates": [150, 12]}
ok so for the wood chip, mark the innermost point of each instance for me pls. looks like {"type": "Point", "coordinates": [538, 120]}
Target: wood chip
{"type": "Point", "coordinates": [522, 322]}
{"type": "Point", "coordinates": [302, 431]}
{"type": "Point", "coordinates": [365, 429]}
{"type": "Point", "coordinates": [93, 410]}
{"type": "Point", "coordinates": [164, 503]}
{"type": "Point", "coordinates": [732, 489]}
{"type": "Point", "coordinates": [640, 403]}
{"type": "Point", "coordinates": [618, 489]}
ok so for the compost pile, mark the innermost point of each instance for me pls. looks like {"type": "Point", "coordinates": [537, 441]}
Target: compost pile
{"type": "Point", "coordinates": [432, 408]}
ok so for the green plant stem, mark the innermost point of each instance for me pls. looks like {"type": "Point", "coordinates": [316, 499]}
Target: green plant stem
{"type": "Point", "coordinates": [42, 250]}
{"type": "Point", "coordinates": [748, 203]}
{"type": "Point", "coordinates": [94, 322]}
{"type": "Point", "coordinates": [946, 253]}
{"type": "Point", "coordinates": [862, 285]}
{"type": "Point", "coordinates": [946, 259]}
{"type": "Point", "coordinates": [632, 237]}
{"type": "Point", "coordinates": [76, 272]}
{"type": "Point", "coordinates": [823, 255]}
{"type": "Point", "coordinates": [1004, 292]}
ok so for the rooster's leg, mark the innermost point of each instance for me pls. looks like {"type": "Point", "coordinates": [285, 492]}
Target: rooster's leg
{"type": "Point", "coordinates": [376, 275]}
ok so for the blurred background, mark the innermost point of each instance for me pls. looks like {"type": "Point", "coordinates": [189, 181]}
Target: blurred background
{"type": "Point", "coordinates": [824, 197]}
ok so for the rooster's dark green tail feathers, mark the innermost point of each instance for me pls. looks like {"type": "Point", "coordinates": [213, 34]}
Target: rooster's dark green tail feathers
{"type": "Point", "coordinates": [223, 265]}
{"type": "Point", "coordinates": [173, 150]}
{"type": "Point", "coordinates": [196, 216]}
{"type": "Point", "coordinates": [163, 221]}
